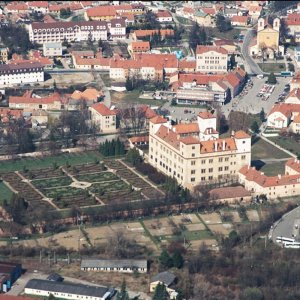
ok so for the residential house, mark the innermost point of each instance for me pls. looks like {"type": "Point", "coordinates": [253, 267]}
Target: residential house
{"type": "Point", "coordinates": [39, 118]}
{"type": "Point", "coordinates": [64, 290]}
{"type": "Point", "coordinates": [39, 6]}
{"type": "Point", "coordinates": [89, 96]}
{"type": "Point", "coordinates": [254, 12]}
{"type": "Point", "coordinates": [293, 25]}
{"type": "Point", "coordinates": [204, 19]}
{"type": "Point", "coordinates": [52, 49]}
{"type": "Point", "coordinates": [282, 114]}
{"type": "Point", "coordinates": [4, 55]}
{"type": "Point", "coordinates": [115, 265]}
{"type": "Point", "coordinates": [7, 114]}
{"type": "Point", "coordinates": [139, 46]}
{"type": "Point", "coordinates": [195, 155]}
{"type": "Point", "coordinates": [164, 16]}
{"type": "Point", "coordinates": [166, 278]}
{"type": "Point", "coordinates": [117, 28]}
{"type": "Point", "coordinates": [211, 59]}
{"type": "Point", "coordinates": [295, 125]}
{"type": "Point", "coordinates": [187, 65]}
{"type": "Point", "coordinates": [241, 21]}
{"type": "Point", "coordinates": [227, 45]}
{"type": "Point", "coordinates": [16, 7]}
{"type": "Point", "coordinates": [104, 118]}
{"type": "Point", "coordinates": [293, 97]}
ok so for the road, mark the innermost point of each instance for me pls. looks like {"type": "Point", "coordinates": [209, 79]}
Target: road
{"type": "Point", "coordinates": [250, 65]}
{"type": "Point", "coordinates": [284, 227]}
{"type": "Point", "coordinates": [107, 98]}
{"type": "Point", "coordinates": [18, 287]}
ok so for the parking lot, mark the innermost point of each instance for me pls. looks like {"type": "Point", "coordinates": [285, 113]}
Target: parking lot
{"type": "Point", "coordinates": [250, 102]}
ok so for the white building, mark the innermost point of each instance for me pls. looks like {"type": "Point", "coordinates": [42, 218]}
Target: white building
{"type": "Point", "coordinates": [115, 265]}
{"type": "Point", "coordinates": [62, 290]}
{"type": "Point", "coordinates": [52, 49]}
{"type": "Point", "coordinates": [211, 59]}
{"type": "Point", "coordinates": [117, 28]}
{"type": "Point", "coordinates": [20, 73]}
{"type": "Point", "coordinates": [71, 31]}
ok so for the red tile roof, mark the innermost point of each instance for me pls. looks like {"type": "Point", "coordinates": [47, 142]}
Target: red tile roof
{"type": "Point", "coordinates": [229, 192]}
{"type": "Point", "coordinates": [199, 78]}
{"type": "Point", "coordinates": [5, 113]}
{"type": "Point", "coordinates": [294, 164]}
{"type": "Point", "coordinates": [251, 174]}
{"type": "Point", "coordinates": [240, 19]}
{"type": "Point", "coordinates": [208, 10]}
{"type": "Point", "coordinates": [187, 64]}
{"type": "Point", "coordinates": [17, 6]}
{"type": "Point", "coordinates": [140, 46]}
{"type": "Point", "coordinates": [101, 11]}
{"type": "Point", "coordinates": [189, 140]}
{"type": "Point", "coordinates": [168, 136]}
{"type": "Point", "coordinates": [139, 139]}
{"type": "Point", "coordinates": [145, 32]}
{"type": "Point", "coordinates": [293, 19]}
{"type": "Point", "coordinates": [206, 115]}
{"type": "Point", "coordinates": [204, 49]}
{"type": "Point", "coordinates": [163, 14]}
{"type": "Point", "coordinates": [294, 93]}
{"type": "Point", "coordinates": [217, 145]}
{"type": "Point", "coordinates": [103, 110]}
{"type": "Point", "coordinates": [44, 4]}
{"type": "Point", "coordinates": [241, 135]}
{"type": "Point", "coordinates": [186, 128]}
{"type": "Point", "coordinates": [28, 99]}
{"type": "Point", "coordinates": [223, 42]}
{"type": "Point", "coordinates": [158, 120]}
{"type": "Point", "coordinates": [285, 108]}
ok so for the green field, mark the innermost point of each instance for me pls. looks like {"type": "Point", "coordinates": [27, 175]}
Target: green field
{"type": "Point", "coordinates": [272, 67]}
{"type": "Point", "coordinates": [229, 35]}
{"type": "Point", "coordinates": [263, 150]}
{"type": "Point", "coordinates": [5, 192]}
{"type": "Point", "coordinates": [46, 162]}
{"type": "Point", "coordinates": [52, 182]}
{"type": "Point", "coordinates": [288, 143]}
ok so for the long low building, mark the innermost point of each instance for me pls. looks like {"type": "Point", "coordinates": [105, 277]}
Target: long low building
{"type": "Point", "coordinates": [115, 265]}
{"type": "Point", "coordinates": [64, 290]}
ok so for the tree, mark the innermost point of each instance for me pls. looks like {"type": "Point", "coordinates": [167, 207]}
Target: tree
{"type": "Point", "coordinates": [255, 127]}
{"type": "Point", "coordinates": [133, 157]}
{"type": "Point", "coordinates": [272, 78]}
{"type": "Point", "coordinates": [165, 259]}
{"type": "Point", "coordinates": [51, 297]}
{"type": "Point", "coordinates": [232, 61]}
{"type": "Point", "coordinates": [160, 292]}
{"type": "Point", "coordinates": [177, 260]}
{"type": "Point", "coordinates": [65, 13]}
{"type": "Point", "coordinates": [251, 294]}
{"type": "Point", "coordinates": [90, 40]}
{"type": "Point", "coordinates": [197, 36]}
{"type": "Point", "coordinates": [262, 115]}
{"type": "Point", "coordinates": [222, 23]}
{"type": "Point", "coordinates": [123, 294]}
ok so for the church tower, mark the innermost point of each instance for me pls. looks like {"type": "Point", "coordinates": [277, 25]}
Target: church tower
{"type": "Point", "coordinates": [276, 24]}
{"type": "Point", "coordinates": [260, 24]}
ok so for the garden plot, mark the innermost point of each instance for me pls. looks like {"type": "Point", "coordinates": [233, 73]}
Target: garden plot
{"type": "Point", "coordinates": [52, 182]}
{"type": "Point", "coordinates": [186, 219]}
{"type": "Point", "coordinates": [223, 229]}
{"type": "Point", "coordinates": [114, 164]}
{"type": "Point", "coordinates": [231, 216]}
{"type": "Point", "coordinates": [195, 245]}
{"type": "Point", "coordinates": [193, 227]}
{"type": "Point", "coordinates": [85, 169]}
{"type": "Point", "coordinates": [43, 173]}
{"type": "Point", "coordinates": [253, 215]}
{"type": "Point", "coordinates": [213, 218]}
{"type": "Point", "coordinates": [97, 177]}
{"type": "Point", "coordinates": [158, 227]}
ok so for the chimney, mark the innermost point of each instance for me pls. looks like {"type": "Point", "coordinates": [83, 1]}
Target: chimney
{"type": "Point", "coordinates": [215, 146]}
{"type": "Point", "coordinates": [223, 145]}
{"type": "Point", "coordinates": [279, 176]}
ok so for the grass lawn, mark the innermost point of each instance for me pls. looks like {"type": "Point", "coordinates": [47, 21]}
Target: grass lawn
{"type": "Point", "coordinates": [263, 150]}
{"type": "Point", "coordinates": [272, 67]}
{"type": "Point", "coordinates": [132, 97]}
{"type": "Point", "coordinates": [288, 143]}
{"type": "Point", "coordinates": [229, 35]}
{"type": "Point", "coordinates": [5, 192]}
{"type": "Point", "coordinates": [197, 235]}
{"type": "Point", "coordinates": [46, 162]}
{"type": "Point", "coordinates": [273, 169]}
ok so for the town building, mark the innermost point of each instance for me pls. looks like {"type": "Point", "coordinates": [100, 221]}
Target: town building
{"type": "Point", "coordinates": [167, 279]}
{"type": "Point", "coordinates": [89, 95]}
{"type": "Point", "coordinates": [138, 46]}
{"type": "Point", "coordinates": [293, 25]}
{"type": "Point", "coordinates": [204, 19]}
{"type": "Point", "coordinates": [117, 28]}
{"type": "Point", "coordinates": [115, 265]}
{"type": "Point", "coordinates": [40, 32]}
{"type": "Point", "coordinates": [267, 40]}
{"type": "Point", "coordinates": [193, 153]}
{"type": "Point", "coordinates": [241, 21]}
{"type": "Point", "coordinates": [147, 33]}
{"type": "Point", "coordinates": [9, 273]}
{"type": "Point", "coordinates": [282, 114]}
{"type": "Point", "coordinates": [52, 49]}
{"type": "Point", "coordinates": [3, 55]}
{"type": "Point", "coordinates": [39, 6]}
{"type": "Point", "coordinates": [164, 16]}
{"type": "Point", "coordinates": [293, 97]}
{"type": "Point", "coordinates": [16, 7]}
{"type": "Point", "coordinates": [227, 45]}
{"type": "Point", "coordinates": [21, 73]}
{"type": "Point", "coordinates": [274, 187]}
{"type": "Point", "coordinates": [103, 117]}
{"type": "Point", "coordinates": [63, 290]}
{"type": "Point", "coordinates": [211, 59]}
{"type": "Point", "coordinates": [230, 195]}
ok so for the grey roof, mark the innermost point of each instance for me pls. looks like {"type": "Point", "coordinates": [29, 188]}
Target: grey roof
{"type": "Point", "coordinates": [55, 277]}
{"type": "Point", "coordinates": [165, 277]}
{"type": "Point", "coordinates": [64, 287]}
{"type": "Point", "coordinates": [114, 263]}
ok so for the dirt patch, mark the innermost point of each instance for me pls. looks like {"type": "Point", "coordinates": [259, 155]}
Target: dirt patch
{"type": "Point", "coordinates": [159, 226]}
{"type": "Point", "coordinates": [194, 227]}
{"type": "Point", "coordinates": [253, 215]}
{"type": "Point", "coordinates": [213, 218]}
{"type": "Point", "coordinates": [234, 215]}
{"type": "Point", "coordinates": [69, 79]}
{"type": "Point", "coordinates": [185, 219]}
{"type": "Point", "coordinates": [195, 245]}
{"type": "Point", "coordinates": [223, 229]}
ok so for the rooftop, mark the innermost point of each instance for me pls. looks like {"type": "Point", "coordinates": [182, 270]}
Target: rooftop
{"type": "Point", "coordinates": [114, 263]}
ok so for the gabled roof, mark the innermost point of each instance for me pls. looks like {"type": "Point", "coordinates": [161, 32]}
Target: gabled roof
{"type": "Point", "coordinates": [204, 49]}
{"type": "Point", "coordinates": [206, 115]}
{"type": "Point", "coordinates": [163, 14]}
{"type": "Point", "coordinates": [158, 120]}
{"type": "Point", "coordinates": [229, 192]}
{"type": "Point", "coordinates": [186, 128]}
{"type": "Point", "coordinates": [217, 145]}
{"type": "Point", "coordinates": [240, 19]}
{"type": "Point", "coordinates": [241, 135]}
{"type": "Point", "coordinates": [285, 108]}
{"type": "Point", "coordinates": [103, 110]}
{"type": "Point", "coordinates": [166, 278]}
{"type": "Point", "coordinates": [294, 93]}
{"type": "Point", "coordinates": [294, 164]}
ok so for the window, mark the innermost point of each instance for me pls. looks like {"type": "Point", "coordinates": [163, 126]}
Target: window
{"type": "Point", "coordinates": [220, 159]}
{"type": "Point", "coordinates": [226, 168]}
{"type": "Point", "coordinates": [193, 171]}
{"type": "Point", "coordinates": [193, 147]}
{"type": "Point", "coordinates": [203, 161]}
{"type": "Point", "coordinates": [192, 179]}
{"type": "Point", "coordinates": [210, 177]}
{"type": "Point", "coordinates": [243, 157]}
{"type": "Point", "coordinates": [210, 161]}
{"type": "Point", "coordinates": [202, 178]}
{"type": "Point", "coordinates": [226, 158]}
{"type": "Point", "coordinates": [220, 169]}
{"type": "Point", "coordinates": [193, 154]}
{"type": "Point", "coordinates": [193, 162]}
{"type": "Point", "coordinates": [202, 171]}
{"type": "Point", "coordinates": [210, 170]}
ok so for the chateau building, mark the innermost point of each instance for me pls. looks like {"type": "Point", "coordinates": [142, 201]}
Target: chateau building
{"type": "Point", "coordinates": [193, 153]}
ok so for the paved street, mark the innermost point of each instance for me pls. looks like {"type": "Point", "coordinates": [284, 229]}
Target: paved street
{"type": "Point", "coordinates": [250, 65]}
{"type": "Point", "coordinates": [250, 103]}
{"type": "Point", "coordinates": [284, 227]}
